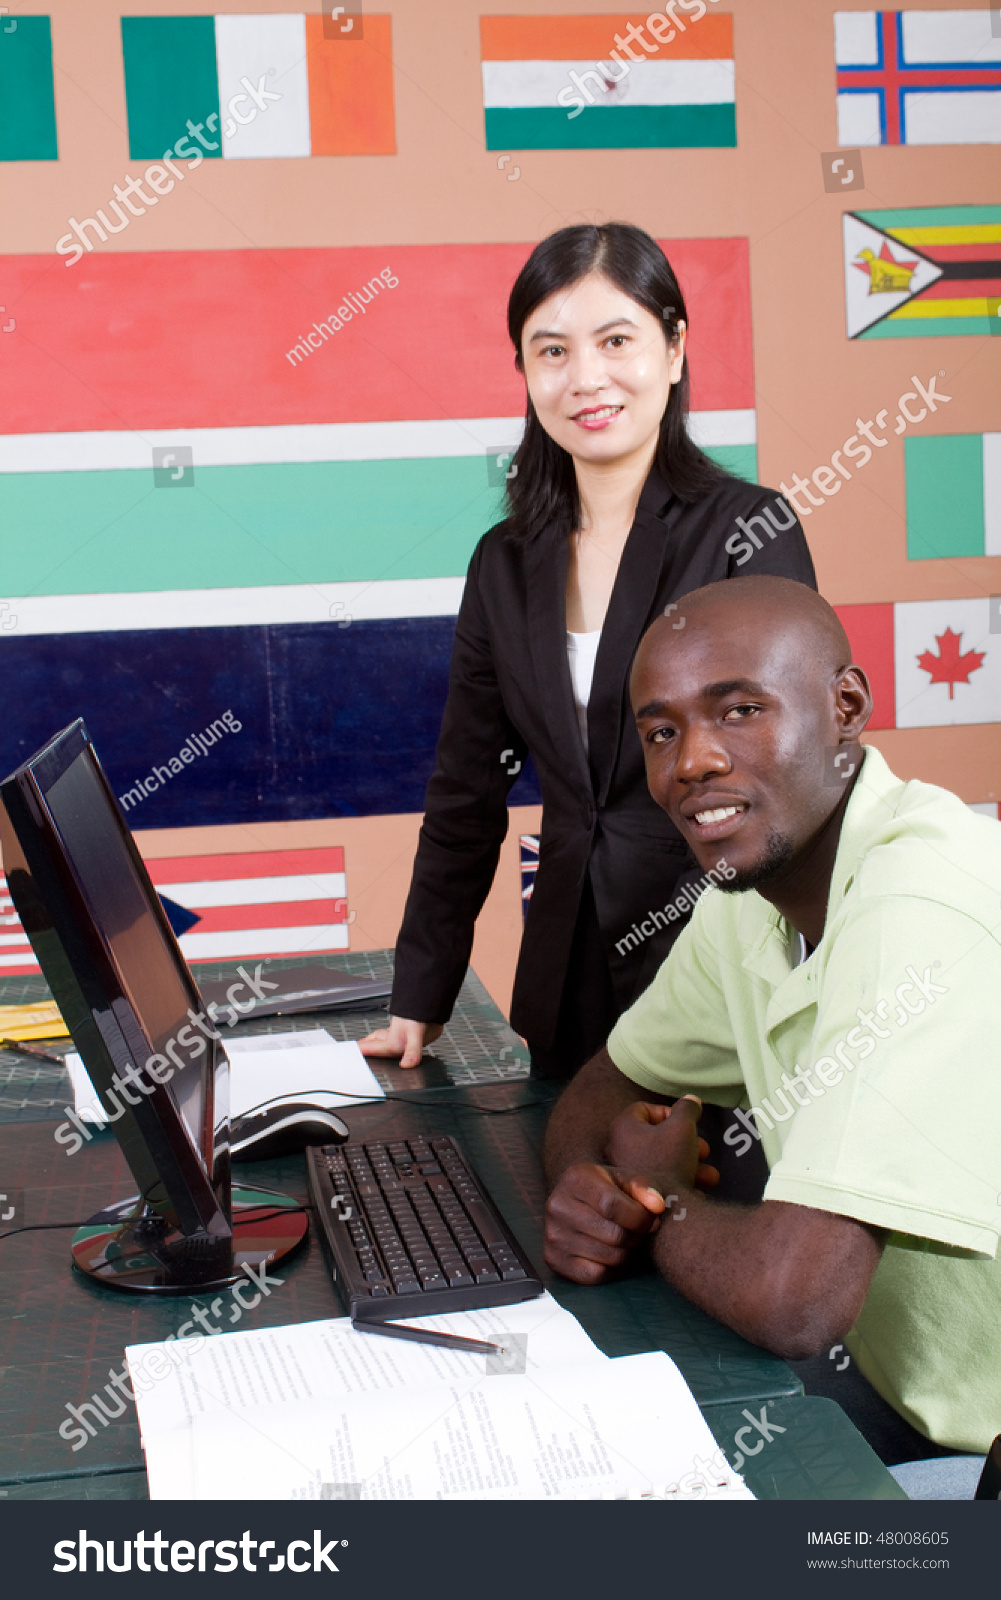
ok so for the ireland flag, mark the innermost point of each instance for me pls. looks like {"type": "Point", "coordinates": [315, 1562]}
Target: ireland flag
{"type": "Point", "coordinates": [243, 86]}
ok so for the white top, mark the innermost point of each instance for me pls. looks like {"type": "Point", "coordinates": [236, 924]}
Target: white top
{"type": "Point", "coordinates": [582, 648]}
{"type": "Point", "coordinates": [798, 951]}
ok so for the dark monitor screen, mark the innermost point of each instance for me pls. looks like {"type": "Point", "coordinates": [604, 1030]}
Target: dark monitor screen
{"type": "Point", "coordinates": [116, 971]}
{"type": "Point", "coordinates": [141, 948]}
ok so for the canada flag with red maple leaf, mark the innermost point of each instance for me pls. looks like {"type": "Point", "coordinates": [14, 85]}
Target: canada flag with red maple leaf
{"type": "Point", "coordinates": [931, 663]}
{"type": "Point", "coordinates": [950, 666]}
{"type": "Point", "coordinates": [948, 663]}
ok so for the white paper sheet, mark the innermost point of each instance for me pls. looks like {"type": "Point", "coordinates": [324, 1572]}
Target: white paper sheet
{"type": "Point", "coordinates": [312, 1362]}
{"type": "Point", "coordinates": [85, 1102]}
{"type": "Point", "coordinates": [301, 1412]}
{"type": "Point", "coordinates": [602, 1430]}
{"type": "Point", "coordinates": [306, 1065]}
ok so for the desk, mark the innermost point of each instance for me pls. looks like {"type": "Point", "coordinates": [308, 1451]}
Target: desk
{"type": "Point", "coordinates": [63, 1336]}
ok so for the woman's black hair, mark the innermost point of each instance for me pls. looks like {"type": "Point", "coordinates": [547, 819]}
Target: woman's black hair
{"type": "Point", "coordinates": [542, 493]}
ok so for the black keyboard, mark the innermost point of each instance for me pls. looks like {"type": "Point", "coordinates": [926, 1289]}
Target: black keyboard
{"type": "Point", "coordinates": [410, 1231]}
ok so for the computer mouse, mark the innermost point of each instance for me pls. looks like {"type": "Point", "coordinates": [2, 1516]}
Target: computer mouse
{"type": "Point", "coordinates": [283, 1130]}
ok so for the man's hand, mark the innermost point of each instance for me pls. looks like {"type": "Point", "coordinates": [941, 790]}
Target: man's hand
{"type": "Point", "coordinates": [659, 1145]}
{"type": "Point", "coordinates": [595, 1218]}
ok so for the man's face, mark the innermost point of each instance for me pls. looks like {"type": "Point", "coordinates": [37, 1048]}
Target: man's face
{"type": "Point", "coordinates": [734, 723]}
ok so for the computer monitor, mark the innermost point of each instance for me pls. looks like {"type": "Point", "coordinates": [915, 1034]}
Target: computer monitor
{"type": "Point", "coordinates": [106, 949]}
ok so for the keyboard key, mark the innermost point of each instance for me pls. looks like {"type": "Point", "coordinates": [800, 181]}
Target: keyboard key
{"type": "Point", "coordinates": [509, 1274]}
{"type": "Point", "coordinates": [490, 1231]}
{"type": "Point", "coordinates": [486, 1276]}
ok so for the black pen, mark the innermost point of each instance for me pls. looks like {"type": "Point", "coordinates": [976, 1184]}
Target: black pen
{"type": "Point", "coordinates": [451, 1341]}
{"type": "Point", "coordinates": [26, 1049]}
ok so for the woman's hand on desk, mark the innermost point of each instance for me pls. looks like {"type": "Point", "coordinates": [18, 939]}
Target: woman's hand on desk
{"type": "Point", "coordinates": [404, 1038]}
{"type": "Point", "coordinates": [595, 1218]}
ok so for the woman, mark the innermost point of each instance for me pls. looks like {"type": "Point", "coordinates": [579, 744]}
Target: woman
{"type": "Point", "coordinates": [613, 515]}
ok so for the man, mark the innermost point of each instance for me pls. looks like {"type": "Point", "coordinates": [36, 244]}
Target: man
{"type": "Point", "coordinates": [844, 985]}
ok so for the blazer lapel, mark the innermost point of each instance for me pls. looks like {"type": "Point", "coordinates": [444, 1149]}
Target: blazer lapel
{"type": "Point", "coordinates": [546, 572]}
{"type": "Point", "coordinates": [630, 611]}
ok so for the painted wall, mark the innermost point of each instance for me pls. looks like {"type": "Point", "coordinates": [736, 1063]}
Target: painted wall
{"type": "Point", "coordinates": [313, 344]}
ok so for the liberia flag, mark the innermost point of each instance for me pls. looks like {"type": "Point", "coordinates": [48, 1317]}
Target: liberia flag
{"type": "Point", "coordinates": [265, 903]}
{"type": "Point", "coordinates": [239, 87]}
{"type": "Point", "coordinates": [926, 271]}
{"type": "Point", "coordinates": [930, 663]}
{"type": "Point", "coordinates": [571, 83]}
{"type": "Point", "coordinates": [917, 77]}
{"type": "Point", "coordinates": [953, 483]}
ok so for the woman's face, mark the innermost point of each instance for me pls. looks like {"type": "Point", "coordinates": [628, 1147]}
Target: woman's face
{"type": "Point", "coordinates": [599, 370]}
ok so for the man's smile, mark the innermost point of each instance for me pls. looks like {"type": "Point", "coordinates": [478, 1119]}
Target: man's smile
{"type": "Point", "coordinates": [715, 817]}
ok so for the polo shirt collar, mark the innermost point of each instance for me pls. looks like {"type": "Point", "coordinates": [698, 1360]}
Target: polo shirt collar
{"type": "Point", "coordinates": [873, 802]}
{"type": "Point", "coordinates": [764, 932]}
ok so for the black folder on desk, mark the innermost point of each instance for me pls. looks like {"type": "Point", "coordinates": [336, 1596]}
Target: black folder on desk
{"type": "Point", "coordinates": [310, 988]}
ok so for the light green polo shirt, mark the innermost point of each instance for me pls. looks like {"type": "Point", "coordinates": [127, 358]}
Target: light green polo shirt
{"type": "Point", "coordinates": [895, 1023]}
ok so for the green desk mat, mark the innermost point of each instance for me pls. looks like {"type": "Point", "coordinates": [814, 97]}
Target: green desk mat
{"type": "Point", "coordinates": [477, 1045]}
{"type": "Point", "coordinates": [820, 1455]}
{"type": "Point", "coordinates": [61, 1336]}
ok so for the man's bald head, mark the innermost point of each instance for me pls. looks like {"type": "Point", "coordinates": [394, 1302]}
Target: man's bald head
{"type": "Point", "coordinates": [748, 705]}
{"type": "Point", "coordinates": [776, 608]}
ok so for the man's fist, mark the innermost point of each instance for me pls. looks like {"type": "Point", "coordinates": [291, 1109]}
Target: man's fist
{"type": "Point", "coordinates": [596, 1216]}
{"type": "Point", "coordinates": [661, 1143]}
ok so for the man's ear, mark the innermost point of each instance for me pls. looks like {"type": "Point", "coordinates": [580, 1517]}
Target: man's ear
{"type": "Point", "coordinates": [853, 699]}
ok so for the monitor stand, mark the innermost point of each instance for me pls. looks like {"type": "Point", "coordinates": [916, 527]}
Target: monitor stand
{"type": "Point", "coordinates": [131, 1247]}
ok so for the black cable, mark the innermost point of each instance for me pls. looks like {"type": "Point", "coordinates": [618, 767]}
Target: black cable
{"type": "Point", "coordinates": [404, 1098]}
{"type": "Point", "coordinates": [374, 1099]}
{"type": "Point", "coordinates": [40, 1227]}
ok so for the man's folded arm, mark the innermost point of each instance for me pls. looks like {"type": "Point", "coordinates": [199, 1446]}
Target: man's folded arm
{"type": "Point", "coordinates": [789, 1277]}
{"type": "Point", "coordinates": [786, 1277]}
{"type": "Point", "coordinates": [578, 1127]}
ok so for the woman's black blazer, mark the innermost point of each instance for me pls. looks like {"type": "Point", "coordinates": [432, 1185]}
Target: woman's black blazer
{"type": "Point", "coordinates": [510, 695]}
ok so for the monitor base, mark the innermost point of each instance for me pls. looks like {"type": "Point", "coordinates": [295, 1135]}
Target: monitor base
{"type": "Point", "coordinates": [142, 1255]}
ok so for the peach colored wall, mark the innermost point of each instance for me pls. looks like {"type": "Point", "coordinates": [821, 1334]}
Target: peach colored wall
{"type": "Point", "coordinates": [444, 186]}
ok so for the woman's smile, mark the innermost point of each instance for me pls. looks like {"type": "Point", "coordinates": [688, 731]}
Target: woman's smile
{"type": "Point", "coordinates": [597, 416]}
